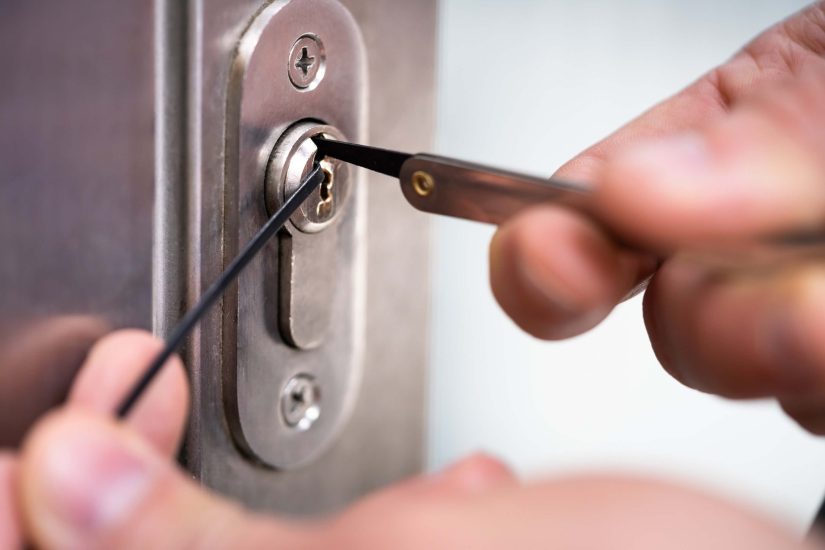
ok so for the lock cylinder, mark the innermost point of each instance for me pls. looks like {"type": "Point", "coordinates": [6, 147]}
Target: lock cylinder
{"type": "Point", "coordinates": [310, 238]}
{"type": "Point", "coordinates": [292, 159]}
{"type": "Point", "coordinates": [293, 332]}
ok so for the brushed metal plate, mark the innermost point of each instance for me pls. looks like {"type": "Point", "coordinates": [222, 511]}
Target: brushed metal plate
{"type": "Point", "coordinates": [261, 104]}
{"type": "Point", "coordinates": [383, 441]}
{"type": "Point", "coordinates": [308, 243]}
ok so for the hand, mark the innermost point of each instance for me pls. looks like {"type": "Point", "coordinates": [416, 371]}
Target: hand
{"type": "Point", "coordinates": [85, 480]}
{"type": "Point", "coordinates": [738, 154]}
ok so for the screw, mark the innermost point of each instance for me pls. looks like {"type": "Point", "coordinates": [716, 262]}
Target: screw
{"type": "Point", "coordinates": [423, 183]}
{"type": "Point", "coordinates": [306, 62]}
{"type": "Point", "coordinates": [300, 402]}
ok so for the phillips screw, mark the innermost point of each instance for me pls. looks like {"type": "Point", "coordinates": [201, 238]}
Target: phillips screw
{"type": "Point", "coordinates": [300, 402]}
{"type": "Point", "coordinates": [307, 62]}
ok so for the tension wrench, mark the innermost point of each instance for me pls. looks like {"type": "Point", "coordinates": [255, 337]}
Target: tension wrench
{"type": "Point", "coordinates": [190, 320]}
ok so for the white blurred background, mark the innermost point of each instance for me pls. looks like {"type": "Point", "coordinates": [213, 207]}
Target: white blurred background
{"type": "Point", "coordinates": [526, 84]}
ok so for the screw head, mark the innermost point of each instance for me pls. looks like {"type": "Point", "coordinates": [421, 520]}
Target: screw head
{"type": "Point", "coordinates": [301, 402]}
{"type": "Point", "coordinates": [307, 62]}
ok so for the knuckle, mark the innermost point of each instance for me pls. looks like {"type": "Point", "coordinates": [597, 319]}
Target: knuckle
{"type": "Point", "coordinates": [808, 28]}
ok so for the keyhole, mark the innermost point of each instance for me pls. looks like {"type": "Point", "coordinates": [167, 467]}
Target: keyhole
{"type": "Point", "coordinates": [326, 187]}
{"type": "Point", "coordinates": [324, 208]}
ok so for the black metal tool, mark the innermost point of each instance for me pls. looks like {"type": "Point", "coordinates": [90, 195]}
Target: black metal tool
{"type": "Point", "coordinates": [451, 187]}
{"type": "Point", "coordinates": [460, 189]}
{"type": "Point", "coordinates": [185, 326]}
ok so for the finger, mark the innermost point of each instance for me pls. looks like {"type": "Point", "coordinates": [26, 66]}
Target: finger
{"type": "Point", "coordinates": [37, 364]}
{"type": "Point", "coordinates": [756, 173]}
{"type": "Point", "coordinates": [741, 335]}
{"type": "Point", "coordinates": [113, 367]}
{"type": "Point", "coordinates": [477, 473]}
{"type": "Point", "coordinates": [10, 536]}
{"type": "Point", "coordinates": [586, 513]}
{"type": "Point", "coordinates": [88, 482]}
{"type": "Point", "coordinates": [557, 275]}
{"type": "Point", "coordinates": [474, 474]}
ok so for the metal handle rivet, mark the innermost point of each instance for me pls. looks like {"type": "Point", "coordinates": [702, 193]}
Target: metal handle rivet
{"type": "Point", "coordinates": [423, 183]}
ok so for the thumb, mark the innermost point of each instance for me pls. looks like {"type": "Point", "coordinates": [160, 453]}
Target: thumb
{"type": "Point", "coordinates": [87, 482]}
{"type": "Point", "coordinates": [759, 171]}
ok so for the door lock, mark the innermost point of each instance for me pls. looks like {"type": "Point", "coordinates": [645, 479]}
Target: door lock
{"type": "Point", "coordinates": [307, 254]}
{"type": "Point", "coordinates": [293, 329]}
{"type": "Point", "coordinates": [292, 159]}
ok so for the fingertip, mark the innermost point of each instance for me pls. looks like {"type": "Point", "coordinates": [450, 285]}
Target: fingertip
{"type": "Point", "coordinates": [81, 476]}
{"type": "Point", "coordinates": [477, 473]}
{"type": "Point", "coordinates": [114, 365]}
{"type": "Point", "coordinates": [742, 334]}
{"type": "Point", "coordinates": [90, 482]}
{"type": "Point", "coordinates": [556, 274]}
{"type": "Point", "coordinates": [652, 191]}
{"type": "Point", "coordinates": [745, 176]}
{"type": "Point", "coordinates": [111, 366]}
{"type": "Point", "coordinates": [136, 344]}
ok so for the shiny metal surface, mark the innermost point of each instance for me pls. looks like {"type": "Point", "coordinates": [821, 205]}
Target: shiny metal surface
{"type": "Point", "coordinates": [308, 288]}
{"type": "Point", "coordinates": [169, 239]}
{"type": "Point", "coordinates": [463, 190]}
{"type": "Point", "coordinates": [315, 277]}
{"type": "Point", "coordinates": [383, 440]}
{"type": "Point", "coordinates": [308, 253]}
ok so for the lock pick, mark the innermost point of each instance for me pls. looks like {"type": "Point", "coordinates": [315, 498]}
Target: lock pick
{"type": "Point", "coordinates": [451, 187]}
{"type": "Point", "coordinates": [460, 189]}
{"type": "Point", "coordinates": [214, 292]}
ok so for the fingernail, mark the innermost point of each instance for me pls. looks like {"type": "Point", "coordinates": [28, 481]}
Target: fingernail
{"type": "Point", "coordinates": [91, 483]}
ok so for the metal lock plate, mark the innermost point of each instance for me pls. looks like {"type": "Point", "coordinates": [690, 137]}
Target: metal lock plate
{"type": "Point", "coordinates": [292, 332]}
{"type": "Point", "coordinates": [309, 242]}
